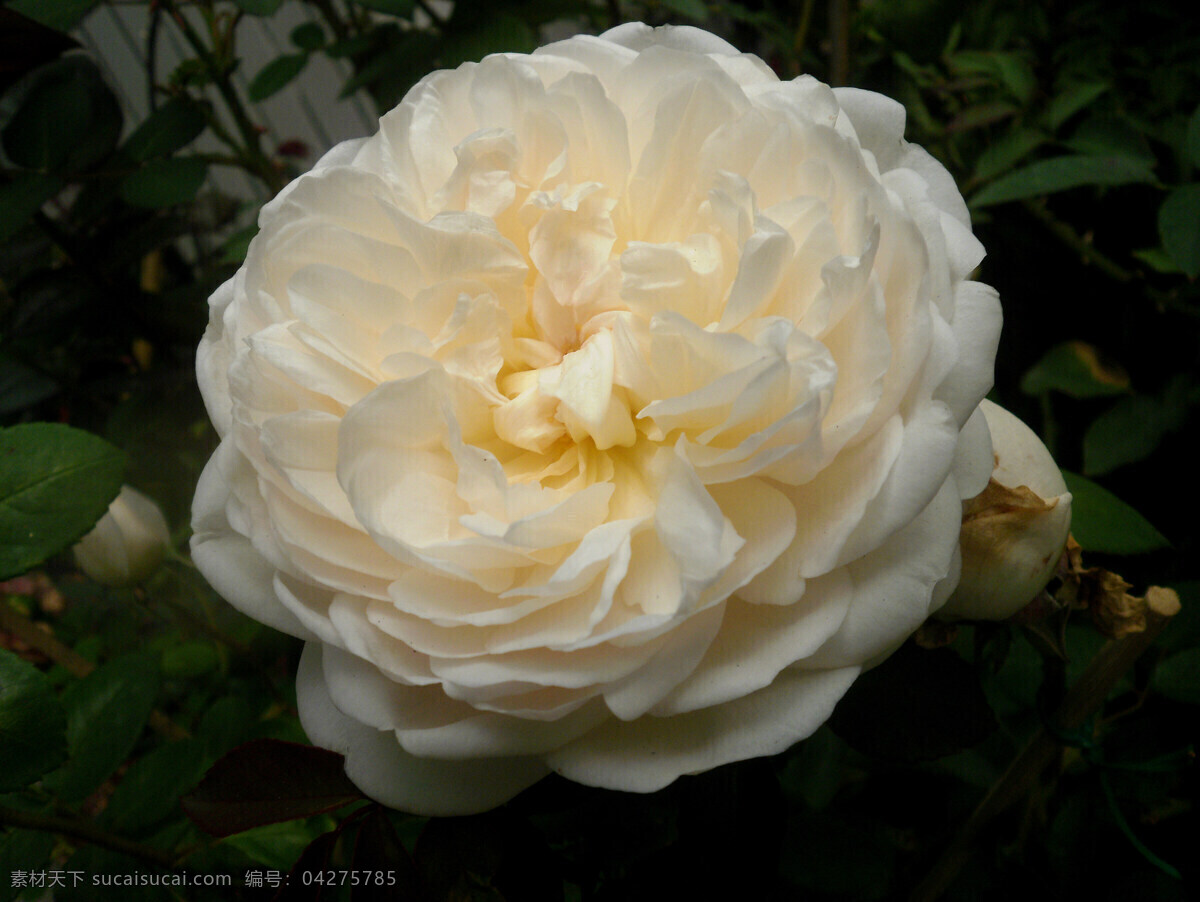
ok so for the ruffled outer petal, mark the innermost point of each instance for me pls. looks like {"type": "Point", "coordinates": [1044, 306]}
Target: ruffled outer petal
{"type": "Point", "coordinates": [606, 413]}
{"type": "Point", "coordinates": [230, 562]}
{"type": "Point", "coordinates": [762, 723]}
{"type": "Point", "coordinates": [378, 766]}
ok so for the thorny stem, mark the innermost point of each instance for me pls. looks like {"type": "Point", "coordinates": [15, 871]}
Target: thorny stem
{"type": "Point", "coordinates": [78, 828]}
{"type": "Point", "coordinates": [256, 160]}
{"type": "Point", "coordinates": [1084, 697]}
{"type": "Point", "coordinates": [1065, 233]}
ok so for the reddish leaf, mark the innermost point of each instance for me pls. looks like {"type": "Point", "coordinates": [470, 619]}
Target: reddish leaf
{"type": "Point", "coordinates": [389, 872]}
{"type": "Point", "coordinates": [306, 880]}
{"type": "Point", "coordinates": [267, 781]}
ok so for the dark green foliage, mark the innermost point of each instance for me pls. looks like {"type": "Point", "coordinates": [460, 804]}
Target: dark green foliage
{"type": "Point", "coordinates": [55, 483]}
{"type": "Point", "coordinates": [1074, 134]}
{"type": "Point", "coordinates": [33, 737]}
{"type": "Point", "coordinates": [920, 704]}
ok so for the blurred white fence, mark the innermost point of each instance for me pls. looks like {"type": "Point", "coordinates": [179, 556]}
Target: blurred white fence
{"type": "Point", "coordinates": [308, 110]}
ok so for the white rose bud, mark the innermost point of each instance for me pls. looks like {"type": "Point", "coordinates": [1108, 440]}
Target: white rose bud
{"type": "Point", "coordinates": [128, 543]}
{"type": "Point", "coordinates": [1014, 531]}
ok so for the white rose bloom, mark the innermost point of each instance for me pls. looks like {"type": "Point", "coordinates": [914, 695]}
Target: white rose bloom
{"type": "Point", "coordinates": [606, 413]}
{"type": "Point", "coordinates": [128, 543]}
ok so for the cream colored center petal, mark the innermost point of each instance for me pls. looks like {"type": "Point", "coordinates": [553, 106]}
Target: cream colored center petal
{"type": "Point", "coordinates": [582, 361]}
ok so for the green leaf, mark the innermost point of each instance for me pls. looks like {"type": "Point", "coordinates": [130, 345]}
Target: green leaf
{"type": "Point", "coordinates": [1004, 154]}
{"type": "Point", "coordinates": [1179, 227]}
{"type": "Point", "coordinates": [1102, 522]}
{"type": "Point", "coordinates": [23, 850]}
{"type": "Point", "coordinates": [308, 36]}
{"type": "Point", "coordinates": [267, 781]}
{"type": "Point", "coordinates": [106, 713]}
{"type": "Point", "coordinates": [1017, 75]}
{"type": "Point", "coordinates": [981, 115]}
{"type": "Point", "coordinates": [258, 7]}
{"type": "Point", "coordinates": [225, 723]}
{"type": "Point", "coordinates": [1062, 174]}
{"type": "Point", "coordinates": [164, 183]}
{"type": "Point", "coordinates": [402, 8]}
{"type": "Point", "coordinates": [273, 845]}
{"type": "Point", "coordinates": [55, 483]}
{"type": "Point", "coordinates": [68, 119]}
{"type": "Point", "coordinates": [1111, 136]}
{"type": "Point", "coordinates": [1071, 100]}
{"type": "Point", "coordinates": [22, 387]}
{"type": "Point", "coordinates": [33, 737]}
{"type": "Point", "coordinates": [150, 790]}
{"type": "Point", "coordinates": [1129, 432]}
{"type": "Point", "coordinates": [1074, 368]}
{"type": "Point", "coordinates": [173, 125]}
{"type": "Point", "coordinates": [500, 34]}
{"type": "Point", "coordinates": [1133, 429]}
{"type": "Point", "coordinates": [1185, 626]}
{"type": "Point", "coordinates": [236, 245]}
{"type": "Point", "coordinates": [189, 660]}
{"type": "Point", "coordinates": [408, 56]}
{"type": "Point", "coordinates": [813, 772]}
{"type": "Point", "coordinates": [61, 15]}
{"type": "Point", "coordinates": [692, 9]}
{"type": "Point", "coordinates": [276, 75]}
{"type": "Point", "coordinates": [1156, 258]}
{"type": "Point", "coordinates": [22, 197]}
{"type": "Point", "coordinates": [1178, 676]}
{"type": "Point", "coordinates": [1008, 69]}
{"type": "Point", "coordinates": [1193, 138]}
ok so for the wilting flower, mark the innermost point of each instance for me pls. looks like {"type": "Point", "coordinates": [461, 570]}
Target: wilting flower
{"type": "Point", "coordinates": [128, 543]}
{"type": "Point", "coordinates": [1015, 530]}
{"type": "Point", "coordinates": [605, 413]}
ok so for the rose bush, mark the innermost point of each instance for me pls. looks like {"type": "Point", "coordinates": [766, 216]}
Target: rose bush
{"type": "Point", "coordinates": [606, 413]}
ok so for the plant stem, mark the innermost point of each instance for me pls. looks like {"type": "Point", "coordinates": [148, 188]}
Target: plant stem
{"type": "Point", "coordinates": [256, 161]}
{"type": "Point", "coordinates": [1066, 234]}
{"type": "Point", "coordinates": [71, 661]}
{"type": "Point", "coordinates": [25, 630]}
{"type": "Point", "coordinates": [801, 36]}
{"type": "Point", "coordinates": [332, 19]}
{"type": "Point", "coordinates": [1085, 696]}
{"type": "Point", "coordinates": [839, 39]}
{"type": "Point", "coordinates": [1087, 251]}
{"type": "Point", "coordinates": [77, 828]}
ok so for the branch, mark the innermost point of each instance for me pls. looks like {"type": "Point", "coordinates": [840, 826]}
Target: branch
{"type": "Point", "coordinates": [257, 161]}
{"type": "Point", "coordinates": [1085, 697]}
{"type": "Point", "coordinates": [77, 828]}
{"type": "Point", "coordinates": [1065, 233]}
{"type": "Point", "coordinates": [71, 661]}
